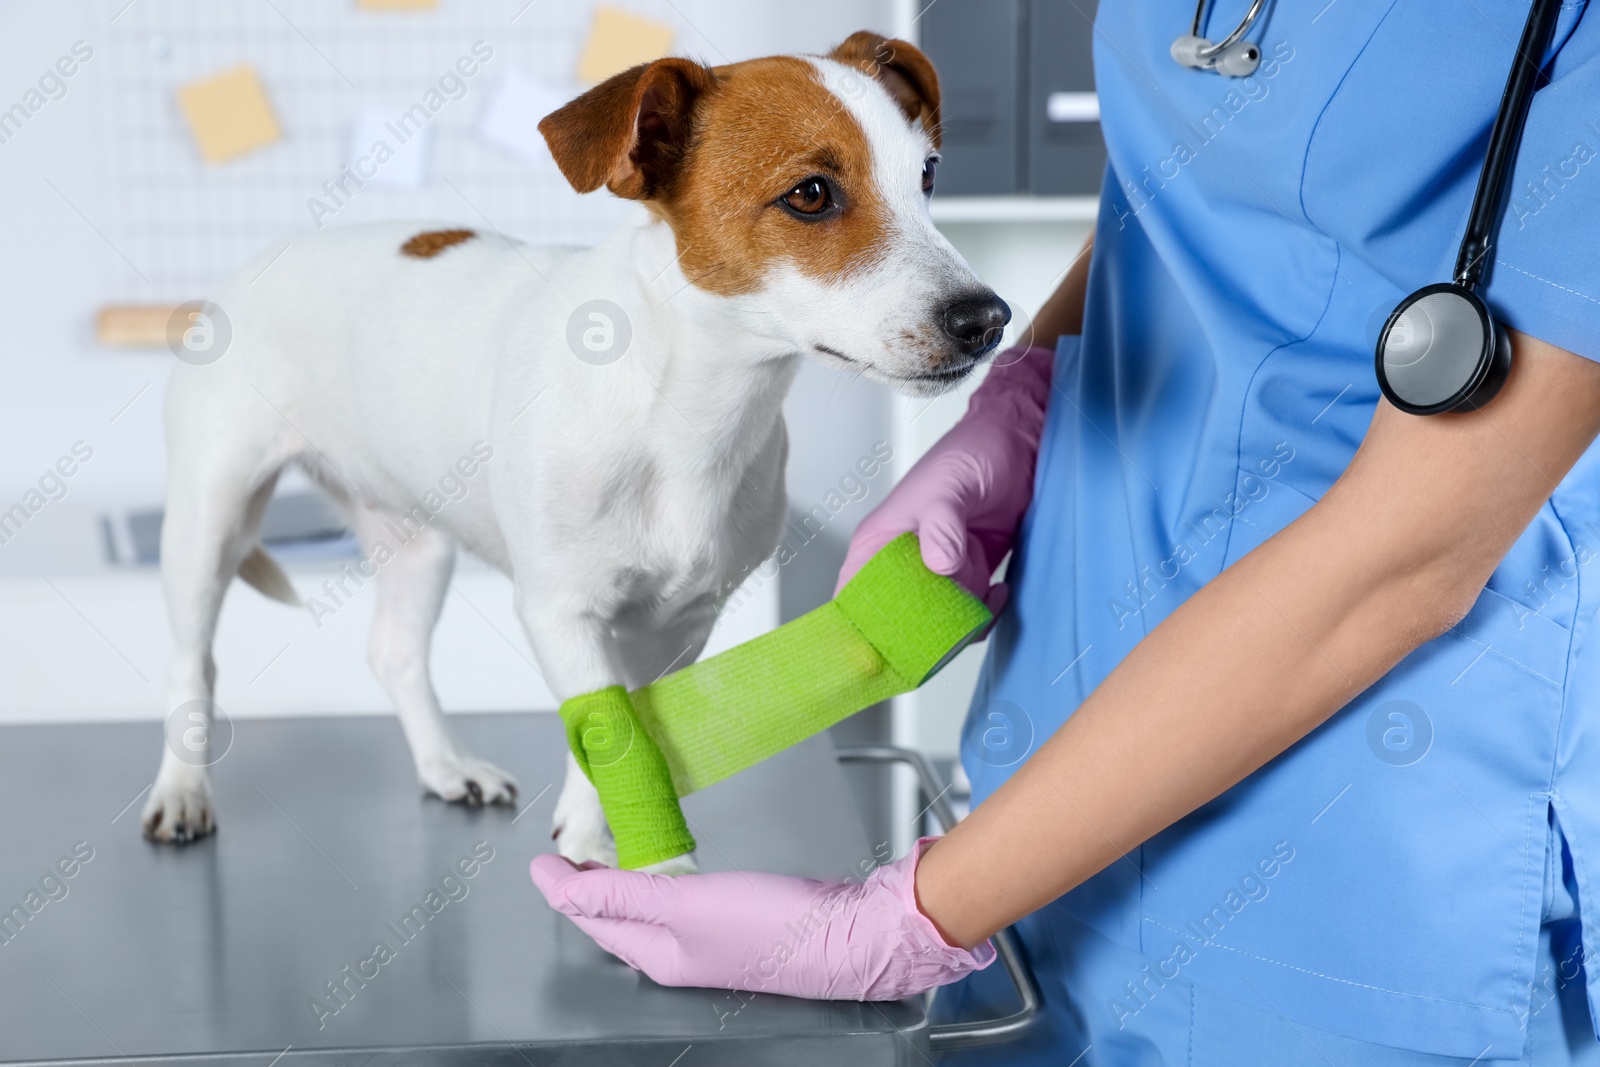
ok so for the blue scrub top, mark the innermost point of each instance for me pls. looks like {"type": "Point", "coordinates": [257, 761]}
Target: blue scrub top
{"type": "Point", "coordinates": [1385, 878]}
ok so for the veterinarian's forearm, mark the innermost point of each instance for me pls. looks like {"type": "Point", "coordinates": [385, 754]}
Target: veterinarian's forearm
{"type": "Point", "coordinates": [1062, 313]}
{"type": "Point", "coordinates": [1392, 556]}
{"type": "Point", "coordinates": [1246, 667]}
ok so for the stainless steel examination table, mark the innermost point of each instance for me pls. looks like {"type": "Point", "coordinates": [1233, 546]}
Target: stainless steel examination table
{"type": "Point", "coordinates": [259, 945]}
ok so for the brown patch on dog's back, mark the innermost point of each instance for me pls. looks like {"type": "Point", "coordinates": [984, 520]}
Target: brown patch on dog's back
{"type": "Point", "coordinates": [430, 243]}
{"type": "Point", "coordinates": [770, 124]}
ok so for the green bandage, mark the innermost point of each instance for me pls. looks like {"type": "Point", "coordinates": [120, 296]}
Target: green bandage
{"type": "Point", "coordinates": [889, 630]}
{"type": "Point", "coordinates": [626, 767]}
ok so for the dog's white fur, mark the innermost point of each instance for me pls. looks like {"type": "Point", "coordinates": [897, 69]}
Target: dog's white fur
{"type": "Point", "coordinates": [624, 500]}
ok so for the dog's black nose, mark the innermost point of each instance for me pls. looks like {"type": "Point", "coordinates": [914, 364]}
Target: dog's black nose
{"type": "Point", "coordinates": [976, 322]}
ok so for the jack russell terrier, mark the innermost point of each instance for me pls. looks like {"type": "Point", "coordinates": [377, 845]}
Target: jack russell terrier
{"type": "Point", "coordinates": [627, 493]}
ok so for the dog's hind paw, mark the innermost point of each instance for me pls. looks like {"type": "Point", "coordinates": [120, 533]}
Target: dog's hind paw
{"type": "Point", "coordinates": [464, 780]}
{"type": "Point", "coordinates": [179, 811]}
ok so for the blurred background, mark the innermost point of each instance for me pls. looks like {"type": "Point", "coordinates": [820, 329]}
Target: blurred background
{"type": "Point", "coordinates": [150, 148]}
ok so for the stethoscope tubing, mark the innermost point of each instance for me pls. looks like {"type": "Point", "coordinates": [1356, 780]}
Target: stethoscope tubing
{"type": "Point", "coordinates": [1233, 38]}
{"type": "Point", "coordinates": [1504, 139]}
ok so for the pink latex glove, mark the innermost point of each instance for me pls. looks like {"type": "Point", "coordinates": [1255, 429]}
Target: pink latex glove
{"type": "Point", "coordinates": [764, 933]}
{"type": "Point", "coordinates": [965, 498]}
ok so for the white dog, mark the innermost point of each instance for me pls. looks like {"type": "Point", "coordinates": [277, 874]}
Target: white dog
{"type": "Point", "coordinates": [618, 407]}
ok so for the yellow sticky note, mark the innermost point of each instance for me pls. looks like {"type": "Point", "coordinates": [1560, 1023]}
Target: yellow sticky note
{"type": "Point", "coordinates": [398, 5]}
{"type": "Point", "coordinates": [620, 40]}
{"type": "Point", "coordinates": [229, 114]}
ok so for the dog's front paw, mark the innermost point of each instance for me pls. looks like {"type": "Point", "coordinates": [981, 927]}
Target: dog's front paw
{"type": "Point", "coordinates": [179, 809]}
{"type": "Point", "coordinates": [464, 780]}
{"type": "Point", "coordinates": [580, 830]}
{"type": "Point", "coordinates": [684, 864]}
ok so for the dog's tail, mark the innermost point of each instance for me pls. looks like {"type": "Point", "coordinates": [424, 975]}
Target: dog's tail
{"type": "Point", "coordinates": [263, 573]}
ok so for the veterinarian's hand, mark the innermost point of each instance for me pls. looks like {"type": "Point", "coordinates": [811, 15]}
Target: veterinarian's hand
{"type": "Point", "coordinates": [965, 498]}
{"type": "Point", "coordinates": [764, 932]}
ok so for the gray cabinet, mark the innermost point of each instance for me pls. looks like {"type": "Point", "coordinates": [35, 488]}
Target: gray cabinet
{"type": "Point", "coordinates": [1019, 111]}
{"type": "Point", "coordinates": [976, 45]}
{"type": "Point", "coordinates": [1066, 156]}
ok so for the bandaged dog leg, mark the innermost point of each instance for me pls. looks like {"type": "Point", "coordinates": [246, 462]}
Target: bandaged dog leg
{"type": "Point", "coordinates": [627, 769]}
{"type": "Point", "coordinates": [889, 630]}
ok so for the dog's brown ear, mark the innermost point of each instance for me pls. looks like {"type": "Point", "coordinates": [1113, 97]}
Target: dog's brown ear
{"type": "Point", "coordinates": [902, 69]}
{"type": "Point", "coordinates": [628, 133]}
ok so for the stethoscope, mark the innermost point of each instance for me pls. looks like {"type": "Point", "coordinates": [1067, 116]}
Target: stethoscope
{"type": "Point", "coordinates": [1441, 349]}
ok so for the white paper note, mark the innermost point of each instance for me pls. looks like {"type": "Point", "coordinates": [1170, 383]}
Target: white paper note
{"type": "Point", "coordinates": [510, 120]}
{"type": "Point", "coordinates": [402, 162]}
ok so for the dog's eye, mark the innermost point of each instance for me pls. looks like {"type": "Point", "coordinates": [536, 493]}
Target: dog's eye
{"type": "Point", "coordinates": [810, 197]}
{"type": "Point", "coordinates": [928, 170]}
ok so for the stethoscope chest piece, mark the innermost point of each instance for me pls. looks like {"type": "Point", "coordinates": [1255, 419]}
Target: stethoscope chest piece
{"type": "Point", "coordinates": [1441, 350]}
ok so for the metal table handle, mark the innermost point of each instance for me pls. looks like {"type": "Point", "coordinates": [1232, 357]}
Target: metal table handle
{"type": "Point", "coordinates": [978, 1032]}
